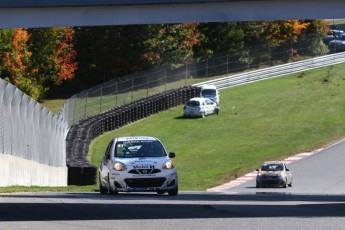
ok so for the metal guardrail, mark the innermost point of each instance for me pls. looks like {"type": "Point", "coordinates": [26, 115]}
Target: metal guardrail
{"type": "Point", "coordinates": [276, 71]}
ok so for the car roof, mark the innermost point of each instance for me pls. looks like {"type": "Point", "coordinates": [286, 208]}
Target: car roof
{"type": "Point", "coordinates": [198, 99]}
{"type": "Point", "coordinates": [208, 87]}
{"type": "Point", "coordinates": [136, 138]}
{"type": "Point", "coordinates": [273, 162]}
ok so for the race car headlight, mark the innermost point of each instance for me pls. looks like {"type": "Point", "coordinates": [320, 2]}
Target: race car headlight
{"type": "Point", "coordinates": [281, 175]}
{"type": "Point", "coordinates": [118, 166]}
{"type": "Point", "coordinates": [260, 175]}
{"type": "Point", "coordinates": [168, 165]}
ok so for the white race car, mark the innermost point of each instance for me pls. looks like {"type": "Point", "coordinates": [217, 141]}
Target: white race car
{"type": "Point", "coordinates": [137, 164]}
{"type": "Point", "coordinates": [200, 107]}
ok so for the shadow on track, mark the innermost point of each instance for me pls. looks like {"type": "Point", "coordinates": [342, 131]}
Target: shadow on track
{"type": "Point", "coordinates": [93, 206]}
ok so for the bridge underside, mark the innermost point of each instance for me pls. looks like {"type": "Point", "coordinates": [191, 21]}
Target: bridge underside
{"type": "Point", "coordinates": [79, 15]}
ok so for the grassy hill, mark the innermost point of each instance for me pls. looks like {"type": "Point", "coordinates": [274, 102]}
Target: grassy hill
{"type": "Point", "coordinates": [266, 120]}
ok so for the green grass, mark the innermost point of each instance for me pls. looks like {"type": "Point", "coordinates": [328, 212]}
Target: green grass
{"type": "Point", "coordinates": [266, 120]}
{"type": "Point", "coordinates": [336, 22]}
{"type": "Point", "coordinates": [53, 105]}
{"type": "Point", "coordinates": [13, 189]}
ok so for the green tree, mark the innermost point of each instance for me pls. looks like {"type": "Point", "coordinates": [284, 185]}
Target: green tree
{"type": "Point", "coordinates": [106, 52]}
{"type": "Point", "coordinates": [313, 35]}
{"type": "Point", "coordinates": [109, 52]}
{"type": "Point", "coordinates": [219, 38]}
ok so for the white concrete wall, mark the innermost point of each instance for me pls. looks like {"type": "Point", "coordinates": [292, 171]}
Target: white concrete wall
{"type": "Point", "coordinates": [18, 171]}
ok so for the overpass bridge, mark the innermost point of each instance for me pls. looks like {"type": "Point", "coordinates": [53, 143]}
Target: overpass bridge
{"type": "Point", "coordinates": [53, 13]}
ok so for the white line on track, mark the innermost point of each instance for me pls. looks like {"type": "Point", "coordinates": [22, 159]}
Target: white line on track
{"type": "Point", "coordinates": [253, 174]}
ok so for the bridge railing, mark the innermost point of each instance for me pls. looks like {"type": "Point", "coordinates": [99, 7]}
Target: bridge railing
{"type": "Point", "coordinates": [276, 71]}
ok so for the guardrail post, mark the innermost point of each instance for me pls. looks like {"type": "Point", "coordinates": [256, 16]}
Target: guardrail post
{"type": "Point", "coordinates": [186, 74]}
{"type": "Point", "coordinates": [87, 94]}
{"type": "Point", "coordinates": [100, 100]}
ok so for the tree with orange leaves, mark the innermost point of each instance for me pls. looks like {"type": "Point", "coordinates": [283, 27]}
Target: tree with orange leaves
{"type": "Point", "coordinates": [15, 56]}
{"type": "Point", "coordinates": [172, 44]}
{"type": "Point", "coordinates": [15, 65]}
{"type": "Point", "coordinates": [35, 59]}
{"type": "Point", "coordinates": [53, 55]}
{"type": "Point", "coordinates": [278, 32]}
{"type": "Point", "coordinates": [64, 56]}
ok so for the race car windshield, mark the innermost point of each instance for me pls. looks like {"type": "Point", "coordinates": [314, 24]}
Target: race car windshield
{"type": "Point", "coordinates": [208, 92]}
{"type": "Point", "coordinates": [145, 148]}
{"type": "Point", "coordinates": [272, 167]}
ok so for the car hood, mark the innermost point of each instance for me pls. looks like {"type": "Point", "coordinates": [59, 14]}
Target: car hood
{"type": "Point", "coordinates": [271, 172]}
{"type": "Point", "coordinates": [337, 41]}
{"type": "Point", "coordinates": [131, 163]}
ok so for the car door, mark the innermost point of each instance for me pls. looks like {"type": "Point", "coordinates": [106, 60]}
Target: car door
{"type": "Point", "coordinates": [288, 174]}
{"type": "Point", "coordinates": [210, 106]}
{"type": "Point", "coordinates": [106, 160]}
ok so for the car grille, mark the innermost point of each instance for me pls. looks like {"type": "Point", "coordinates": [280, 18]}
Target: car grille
{"type": "Point", "coordinates": [145, 182]}
{"type": "Point", "coordinates": [144, 171]}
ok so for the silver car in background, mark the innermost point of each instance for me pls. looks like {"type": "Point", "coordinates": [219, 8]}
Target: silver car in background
{"type": "Point", "coordinates": [338, 44]}
{"type": "Point", "coordinates": [274, 174]}
{"type": "Point", "coordinates": [137, 164]}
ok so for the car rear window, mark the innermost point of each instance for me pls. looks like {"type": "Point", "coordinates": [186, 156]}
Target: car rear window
{"type": "Point", "coordinates": [193, 103]}
{"type": "Point", "coordinates": [208, 92]}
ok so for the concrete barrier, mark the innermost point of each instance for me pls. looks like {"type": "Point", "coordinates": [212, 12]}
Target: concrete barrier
{"type": "Point", "coordinates": [18, 171]}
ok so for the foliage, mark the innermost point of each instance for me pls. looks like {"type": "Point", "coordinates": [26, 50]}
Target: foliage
{"type": "Point", "coordinates": [314, 33]}
{"type": "Point", "coordinates": [53, 55]}
{"type": "Point", "coordinates": [64, 55]}
{"type": "Point", "coordinates": [278, 32]}
{"type": "Point", "coordinates": [219, 37]}
{"type": "Point", "coordinates": [318, 28]}
{"type": "Point", "coordinates": [266, 120]}
{"type": "Point", "coordinates": [241, 39]}
{"type": "Point", "coordinates": [15, 65]}
{"type": "Point", "coordinates": [318, 47]}
{"type": "Point", "coordinates": [172, 43]}
{"type": "Point", "coordinates": [44, 61]}
{"type": "Point", "coordinates": [33, 58]}
{"type": "Point", "coordinates": [111, 52]}
{"type": "Point", "coordinates": [106, 52]}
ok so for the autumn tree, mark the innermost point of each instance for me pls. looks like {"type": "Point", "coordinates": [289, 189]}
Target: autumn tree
{"type": "Point", "coordinates": [172, 44]}
{"type": "Point", "coordinates": [312, 37]}
{"type": "Point", "coordinates": [16, 63]}
{"type": "Point", "coordinates": [279, 32]}
{"type": "Point", "coordinates": [53, 55]}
